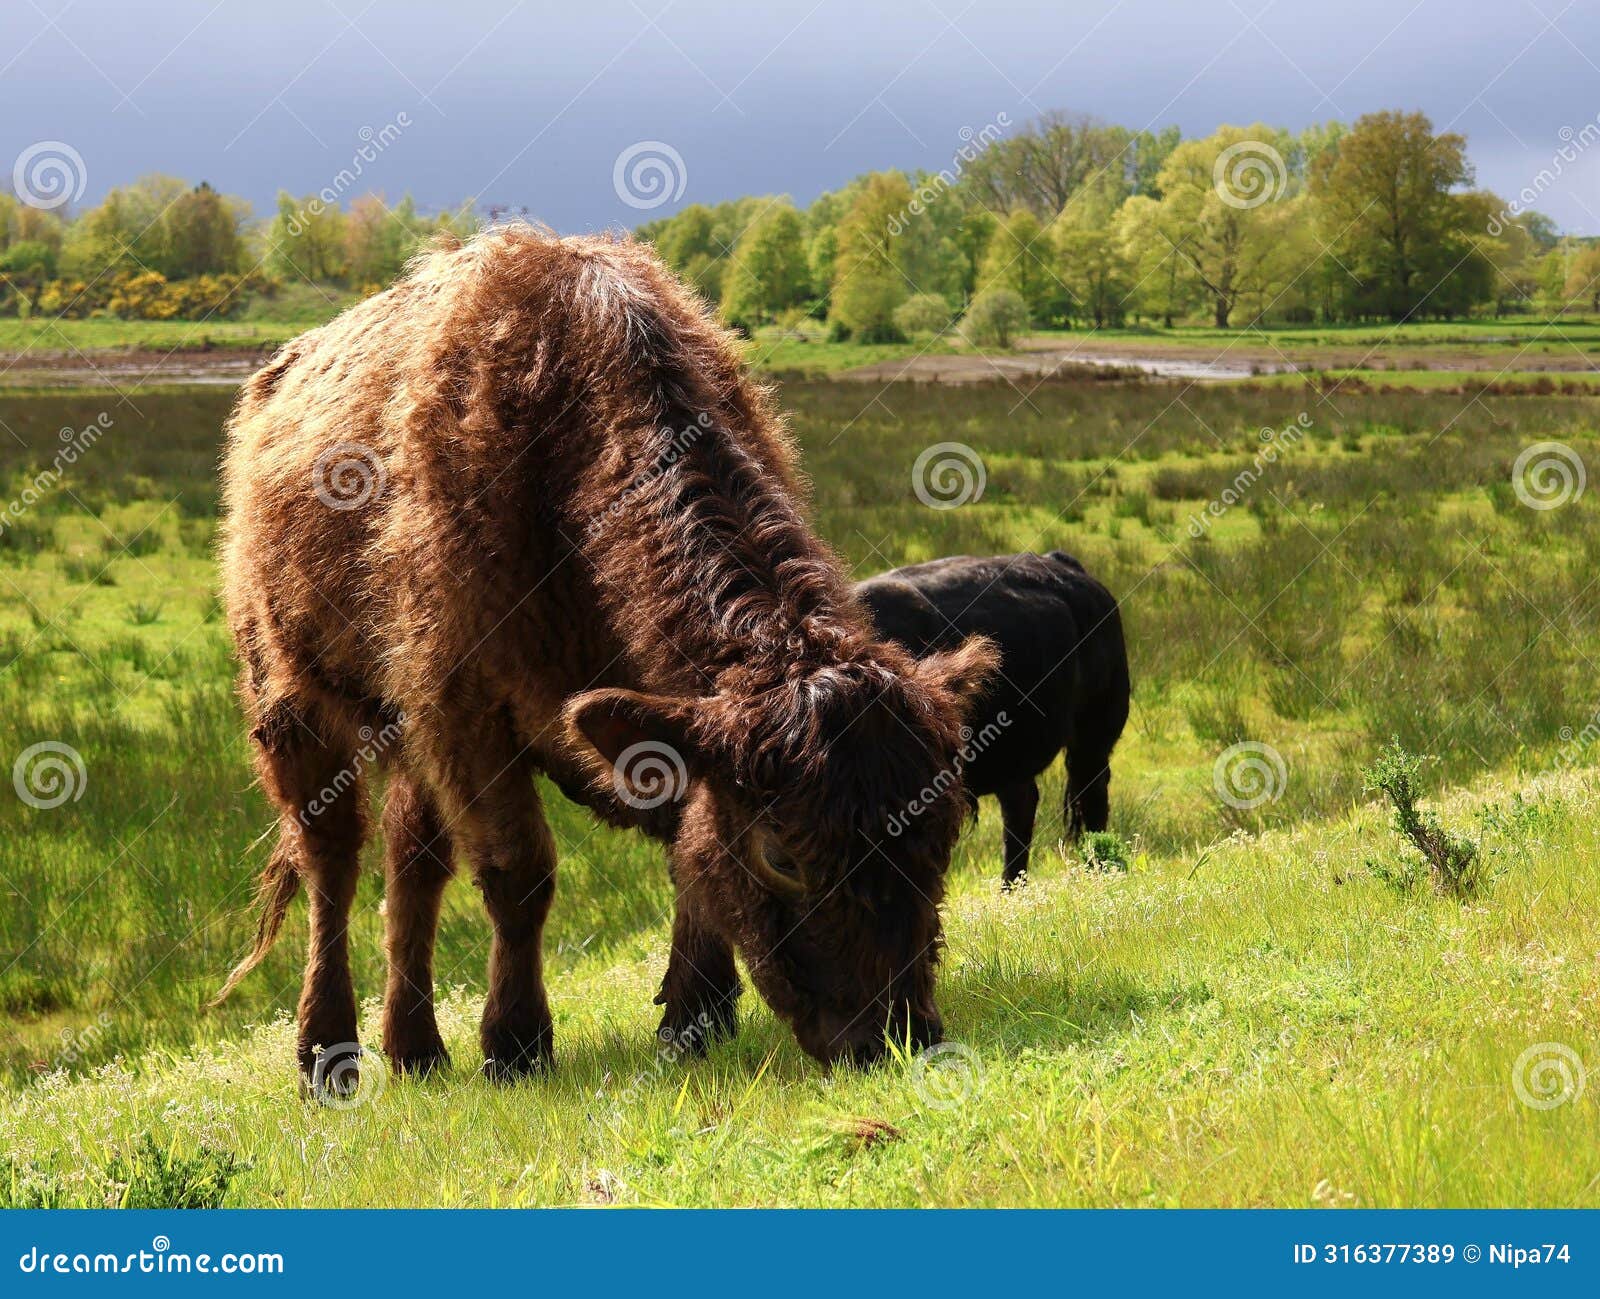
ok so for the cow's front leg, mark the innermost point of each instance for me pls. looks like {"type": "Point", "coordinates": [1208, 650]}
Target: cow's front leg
{"type": "Point", "coordinates": [700, 991]}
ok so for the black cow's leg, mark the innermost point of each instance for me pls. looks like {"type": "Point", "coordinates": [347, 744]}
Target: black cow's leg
{"type": "Point", "coordinates": [700, 991]}
{"type": "Point", "coordinates": [1088, 790]}
{"type": "Point", "coordinates": [1018, 804]}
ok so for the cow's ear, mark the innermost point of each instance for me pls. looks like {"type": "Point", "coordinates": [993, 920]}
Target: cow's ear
{"type": "Point", "coordinates": [964, 671]}
{"type": "Point", "coordinates": [643, 744]}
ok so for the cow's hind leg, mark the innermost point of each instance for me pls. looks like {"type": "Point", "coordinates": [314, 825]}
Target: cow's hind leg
{"type": "Point", "coordinates": [417, 866]}
{"type": "Point", "coordinates": [316, 785]}
{"type": "Point", "coordinates": [1088, 800]}
{"type": "Point", "coordinates": [700, 991]}
{"type": "Point", "coordinates": [1019, 802]}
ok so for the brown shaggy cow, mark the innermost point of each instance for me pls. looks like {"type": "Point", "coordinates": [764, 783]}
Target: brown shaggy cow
{"type": "Point", "coordinates": [525, 512]}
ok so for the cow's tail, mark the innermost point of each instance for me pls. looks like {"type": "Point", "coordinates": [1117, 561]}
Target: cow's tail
{"type": "Point", "coordinates": [279, 882]}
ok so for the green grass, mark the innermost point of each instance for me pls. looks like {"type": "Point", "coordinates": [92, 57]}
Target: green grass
{"type": "Point", "coordinates": [1252, 1013]}
{"type": "Point", "coordinates": [144, 335]}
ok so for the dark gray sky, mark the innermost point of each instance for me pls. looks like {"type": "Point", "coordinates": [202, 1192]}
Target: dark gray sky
{"type": "Point", "coordinates": [531, 104]}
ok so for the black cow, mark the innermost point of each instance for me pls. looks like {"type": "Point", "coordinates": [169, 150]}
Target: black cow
{"type": "Point", "coordinates": [1063, 680]}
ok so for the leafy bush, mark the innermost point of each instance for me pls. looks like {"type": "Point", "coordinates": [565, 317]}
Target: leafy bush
{"type": "Point", "coordinates": [153, 1178]}
{"type": "Point", "coordinates": [1104, 850]}
{"type": "Point", "coordinates": [924, 314]}
{"type": "Point", "coordinates": [995, 318]}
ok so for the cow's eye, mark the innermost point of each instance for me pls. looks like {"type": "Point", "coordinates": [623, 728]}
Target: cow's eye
{"type": "Point", "coordinates": [778, 868]}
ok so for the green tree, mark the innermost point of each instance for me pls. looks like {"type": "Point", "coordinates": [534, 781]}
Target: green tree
{"type": "Point", "coordinates": [1020, 258]}
{"type": "Point", "coordinates": [1225, 216]}
{"type": "Point", "coordinates": [200, 234]}
{"type": "Point", "coordinates": [25, 267]}
{"type": "Point", "coordinates": [1385, 204]}
{"type": "Point", "coordinates": [868, 282]}
{"type": "Point", "coordinates": [769, 271]}
{"type": "Point", "coordinates": [1048, 160]}
{"type": "Point", "coordinates": [1090, 261]}
{"type": "Point", "coordinates": [307, 240]}
{"type": "Point", "coordinates": [1164, 286]}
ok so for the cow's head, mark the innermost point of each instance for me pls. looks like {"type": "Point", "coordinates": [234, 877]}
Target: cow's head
{"type": "Point", "coordinates": [817, 820]}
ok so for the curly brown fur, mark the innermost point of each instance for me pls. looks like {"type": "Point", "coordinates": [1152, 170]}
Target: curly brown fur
{"type": "Point", "coordinates": [583, 533]}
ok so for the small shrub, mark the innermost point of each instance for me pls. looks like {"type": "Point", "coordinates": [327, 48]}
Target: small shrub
{"type": "Point", "coordinates": [923, 315]}
{"type": "Point", "coordinates": [1453, 863]}
{"type": "Point", "coordinates": [143, 614]}
{"type": "Point", "coordinates": [1104, 850]}
{"type": "Point", "coordinates": [995, 319]}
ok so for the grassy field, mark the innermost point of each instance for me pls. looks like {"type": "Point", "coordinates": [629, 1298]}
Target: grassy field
{"type": "Point", "coordinates": [1260, 1010]}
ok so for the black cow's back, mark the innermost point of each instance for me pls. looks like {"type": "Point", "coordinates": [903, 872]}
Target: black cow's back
{"type": "Point", "coordinates": [1063, 663]}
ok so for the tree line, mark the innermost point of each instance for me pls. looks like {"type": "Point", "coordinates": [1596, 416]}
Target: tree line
{"type": "Point", "coordinates": [1073, 222]}
{"type": "Point", "coordinates": [163, 249]}
{"type": "Point", "coordinates": [1065, 222]}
